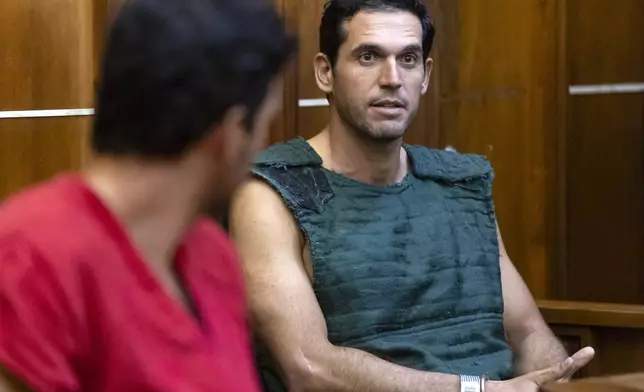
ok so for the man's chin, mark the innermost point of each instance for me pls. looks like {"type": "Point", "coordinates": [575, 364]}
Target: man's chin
{"type": "Point", "coordinates": [387, 135]}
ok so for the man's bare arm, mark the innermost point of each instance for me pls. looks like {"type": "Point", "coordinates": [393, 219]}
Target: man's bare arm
{"type": "Point", "coordinates": [532, 341]}
{"type": "Point", "coordinates": [286, 314]}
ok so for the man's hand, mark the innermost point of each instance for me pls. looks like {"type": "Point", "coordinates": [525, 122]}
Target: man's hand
{"type": "Point", "coordinates": [561, 372]}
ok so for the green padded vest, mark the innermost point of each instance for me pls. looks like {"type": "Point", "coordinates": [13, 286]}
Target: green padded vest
{"type": "Point", "coordinates": [407, 272]}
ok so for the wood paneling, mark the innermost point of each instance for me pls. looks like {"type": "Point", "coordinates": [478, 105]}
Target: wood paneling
{"type": "Point", "coordinates": [605, 153]}
{"type": "Point", "coordinates": [47, 52]}
{"type": "Point", "coordinates": [100, 23]}
{"type": "Point", "coordinates": [606, 198]}
{"type": "Point", "coordinates": [619, 350]}
{"type": "Point", "coordinates": [593, 314]}
{"type": "Point", "coordinates": [310, 12]}
{"type": "Point", "coordinates": [616, 331]}
{"type": "Point", "coordinates": [285, 126]}
{"type": "Point", "coordinates": [36, 149]}
{"type": "Point", "coordinates": [622, 383]}
{"type": "Point", "coordinates": [605, 41]}
{"type": "Point", "coordinates": [498, 95]}
{"type": "Point", "coordinates": [311, 121]}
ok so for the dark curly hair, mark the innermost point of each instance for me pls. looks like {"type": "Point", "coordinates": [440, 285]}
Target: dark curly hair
{"type": "Point", "coordinates": [336, 12]}
{"type": "Point", "coordinates": [172, 69]}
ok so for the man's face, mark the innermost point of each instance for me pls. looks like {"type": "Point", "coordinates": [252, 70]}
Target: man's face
{"type": "Point", "coordinates": [380, 73]}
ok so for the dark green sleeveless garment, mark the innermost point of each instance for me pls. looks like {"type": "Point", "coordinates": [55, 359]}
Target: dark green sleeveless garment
{"type": "Point", "coordinates": [407, 272]}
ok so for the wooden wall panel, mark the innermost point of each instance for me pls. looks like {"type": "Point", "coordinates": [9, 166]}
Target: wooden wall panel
{"type": "Point", "coordinates": [310, 120]}
{"type": "Point", "coordinates": [100, 22]}
{"type": "Point", "coordinates": [285, 127]}
{"type": "Point", "coordinates": [605, 41]}
{"type": "Point", "coordinates": [32, 150]}
{"type": "Point", "coordinates": [620, 350]}
{"type": "Point", "coordinates": [606, 199]}
{"type": "Point", "coordinates": [605, 153]}
{"type": "Point", "coordinates": [48, 63]}
{"type": "Point", "coordinates": [310, 12]}
{"type": "Point", "coordinates": [632, 382]}
{"type": "Point", "coordinates": [47, 49]}
{"type": "Point", "coordinates": [615, 331]}
{"type": "Point", "coordinates": [497, 96]}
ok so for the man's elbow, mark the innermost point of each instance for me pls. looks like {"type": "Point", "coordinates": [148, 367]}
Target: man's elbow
{"type": "Point", "coordinates": [310, 372]}
{"type": "Point", "coordinates": [525, 326]}
{"type": "Point", "coordinates": [303, 379]}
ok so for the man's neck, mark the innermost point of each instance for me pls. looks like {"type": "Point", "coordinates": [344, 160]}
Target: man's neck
{"type": "Point", "coordinates": [156, 203]}
{"type": "Point", "coordinates": [370, 161]}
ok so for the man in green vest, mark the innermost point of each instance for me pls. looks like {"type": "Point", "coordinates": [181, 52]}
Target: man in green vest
{"type": "Point", "coordinates": [373, 265]}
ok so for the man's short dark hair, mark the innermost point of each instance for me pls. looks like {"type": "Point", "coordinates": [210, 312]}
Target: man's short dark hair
{"type": "Point", "coordinates": [173, 68]}
{"type": "Point", "coordinates": [336, 12]}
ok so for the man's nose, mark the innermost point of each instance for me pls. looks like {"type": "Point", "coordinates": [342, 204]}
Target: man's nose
{"type": "Point", "coordinates": [390, 74]}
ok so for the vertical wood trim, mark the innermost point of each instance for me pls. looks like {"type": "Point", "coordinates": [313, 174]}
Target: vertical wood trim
{"type": "Point", "coordinates": [559, 256]}
{"type": "Point", "coordinates": [101, 25]}
{"type": "Point", "coordinates": [433, 136]}
{"type": "Point", "coordinates": [86, 52]}
{"type": "Point", "coordinates": [92, 26]}
{"type": "Point", "coordinates": [286, 127]}
{"type": "Point", "coordinates": [446, 51]}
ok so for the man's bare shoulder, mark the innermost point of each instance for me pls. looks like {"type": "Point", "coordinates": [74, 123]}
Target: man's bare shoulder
{"type": "Point", "coordinates": [256, 199]}
{"type": "Point", "coordinates": [257, 209]}
{"type": "Point", "coordinates": [254, 188]}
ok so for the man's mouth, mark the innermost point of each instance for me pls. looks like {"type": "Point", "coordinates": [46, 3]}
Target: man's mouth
{"type": "Point", "coordinates": [388, 108]}
{"type": "Point", "coordinates": [388, 103]}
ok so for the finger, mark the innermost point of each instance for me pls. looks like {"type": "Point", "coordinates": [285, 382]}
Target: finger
{"type": "Point", "coordinates": [553, 373]}
{"type": "Point", "coordinates": [581, 358]}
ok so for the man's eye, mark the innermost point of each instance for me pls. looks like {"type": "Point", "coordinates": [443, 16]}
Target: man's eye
{"type": "Point", "coordinates": [367, 57]}
{"type": "Point", "coordinates": [409, 59]}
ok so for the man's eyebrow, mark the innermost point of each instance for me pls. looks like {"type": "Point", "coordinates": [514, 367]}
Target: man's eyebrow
{"type": "Point", "coordinates": [369, 47]}
{"type": "Point", "coordinates": [412, 48]}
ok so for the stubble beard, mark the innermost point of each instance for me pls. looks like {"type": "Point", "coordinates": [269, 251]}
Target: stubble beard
{"type": "Point", "coordinates": [357, 124]}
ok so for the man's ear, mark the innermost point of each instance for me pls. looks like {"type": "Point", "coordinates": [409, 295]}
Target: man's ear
{"type": "Point", "coordinates": [228, 136]}
{"type": "Point", "coordinates": [429, 66]}
{"type": "Point", "coordinates": [323, 73]}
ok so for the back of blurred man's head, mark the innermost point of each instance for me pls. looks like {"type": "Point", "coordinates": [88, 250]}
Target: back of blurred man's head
{"type": "Point", "coordinates": [178, 74]}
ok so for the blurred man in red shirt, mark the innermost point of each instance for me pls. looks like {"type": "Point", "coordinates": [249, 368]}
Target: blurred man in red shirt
{"type": "Point", "coordinates": [110, 280]}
